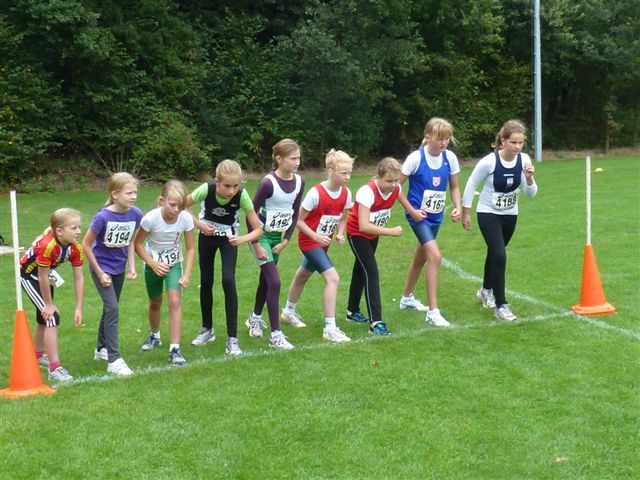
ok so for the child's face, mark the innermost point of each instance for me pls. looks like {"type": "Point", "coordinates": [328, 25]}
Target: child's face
{"type": "Point", "coordinates": [228, 186]}
{"type": "Point", "coordinates": [290, 163]}
{"type": "Point", "coordinates": [125, 198]}
{"type": "Point", "coordinates": [170, 207]}
{"type": "Point", "coordinates": [69, 233]}
{"type": "Point", "coordinates": [340, 174]}
{"type": "Point", "coordinates": [388, 182]}
{"type": "Point", "coordinates": [437, 145]}
{"type": "Point", "coordinates": [512, 146]}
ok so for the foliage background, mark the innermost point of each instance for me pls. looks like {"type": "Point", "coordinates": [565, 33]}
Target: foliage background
{"type": "Point", "coordinates": [166, 88]}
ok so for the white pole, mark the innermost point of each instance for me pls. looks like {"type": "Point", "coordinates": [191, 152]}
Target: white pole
{"type": "Point", "coordinates": [588, 200]}
{"type": "Point", "coordinates": [537, 83]}
{"type": "Point", "coordinates": [16, 254]}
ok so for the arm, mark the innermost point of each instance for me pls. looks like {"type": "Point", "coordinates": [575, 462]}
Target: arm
{"type": "Point", "coordinates": [131, 259]}
{"type": "Point", "coordinates": [415, 214]}
{"type": "Point", "coordinates": [342, 226]}
{"type": "Point", "coordinates": [256, 230]}
{"type": "Point", "coordinates": [304, 228]}
{"type": "Point", "coordinates": [454, 188]}
{"type": "Point", "coordinates": [49, 309]}
{"type": "Point", "coordinates": [78, 282]}
{"type": "Point", "coordinates": [103, 278]}
{"type": "Point", "coordinates": [368, 228]}
{"type": "Point", "coordinates": [189, 256]}
{"type": "Point", "coordinates": [158, 268]}
{"type": "Point", "coordinates": [204, 227]}
{"type": "Point", "coordinates": [530, 187]}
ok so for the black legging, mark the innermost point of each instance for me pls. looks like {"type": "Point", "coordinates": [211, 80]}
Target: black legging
{"type": "Point", "coordinates": [497, 230]}
{"type": "Point", "coordinates": [207, 248]}
{"type": "Point", "coordinates": [365, 277]}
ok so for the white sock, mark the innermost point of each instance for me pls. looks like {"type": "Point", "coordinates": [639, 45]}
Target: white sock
{"type": "Point", "coordinates": [329, 323]}
{"type": "Point", "coordinates": [156, 334]}
{"type": "Point", "coordinates": [174, 345]}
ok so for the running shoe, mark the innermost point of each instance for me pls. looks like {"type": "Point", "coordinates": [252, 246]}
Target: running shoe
{"type": "Point", "coordinates": [119, 367]}
{"type": "Point", "coordinates": [504, 313]}
{"type": "Point", "coordinates": [60, 374]}
{"type": "Point", "coordinates": [151, 343]}
{"type": "Point", "coordinates": [412, 303]}
{"type": "Point", "coordinates": [292, 319]}
{"type": "Point", "coordinates": [486, 298]}
{"type": "Point", "coordinates": [232, 347]}
{"type": "Point", "coordinates": [279, 341]}
{"type": "Point", "coordinates": [379, 328]}
{"type": "Point", "coordinates": [176, 358]}
{"type": "Point", "coordinates": [255, 324]}
{"type": "Point", "coordinates": [434, 318]}
{"type": "Point", "coordinates": [335, 335]}
{"type": "Point", "coordinates": [206, 335]}
{"type": "Point", "coordinates": [357, 317]}
{"type": "Point", "coordinates": [101, 354]}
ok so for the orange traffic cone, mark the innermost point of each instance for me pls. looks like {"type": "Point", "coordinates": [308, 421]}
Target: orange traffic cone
{"type": "Point", "coordinates": [25, 376]}
{"type": "Point", "coordinates": [592, 301]}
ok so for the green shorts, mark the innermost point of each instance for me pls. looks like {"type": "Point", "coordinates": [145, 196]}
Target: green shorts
{"type": "Point", "coordinates": [155, 283]}
{"type": "Point", "coordinates": [268, 240]}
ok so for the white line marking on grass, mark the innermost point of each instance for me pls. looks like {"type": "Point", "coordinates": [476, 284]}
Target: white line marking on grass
{"type": "Point", "coordinates": [535, 301]}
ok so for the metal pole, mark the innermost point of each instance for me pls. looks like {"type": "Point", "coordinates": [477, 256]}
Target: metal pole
{"type": "Point", "coordinates": [537, 107]}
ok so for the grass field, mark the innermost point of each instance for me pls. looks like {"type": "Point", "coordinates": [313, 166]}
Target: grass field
{"type": "Point", "coordinates": [552, 396]}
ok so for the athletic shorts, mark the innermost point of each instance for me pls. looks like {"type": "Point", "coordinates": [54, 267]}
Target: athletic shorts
{"type": "Point", "coordinates": [424, 232]}
{"type": "Point", "coordinates": [268, 240]}
{"type": "Point", "coordinates": [155, 283]}
{"type": "Point", "coordinates": [316, 260]}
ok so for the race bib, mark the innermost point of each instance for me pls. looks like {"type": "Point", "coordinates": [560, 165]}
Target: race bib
{"type": "Point", "coordinates": [119, 234]}
{"type": "Point", "coordinates": [278, 220]}
{"type": "Point", "coordinates": [504, 201]}
{"type": "Point", "coordinates": [433, 201]}
{"type": "Point", "coordinates": [328, 224]}
{"type": "Point", "coordinates": [220, 229]}
{"type": "Point", "coordinates": [380, 218]}
{"type": "Point", "coordinates": [170, 256]}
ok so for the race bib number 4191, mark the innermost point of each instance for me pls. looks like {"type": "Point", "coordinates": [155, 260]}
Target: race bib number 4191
{"type": "Point", "coordinates": [119, 234]}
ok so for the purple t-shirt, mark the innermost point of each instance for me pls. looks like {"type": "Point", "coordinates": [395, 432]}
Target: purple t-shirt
{"type": "Point", "coordinates": [114, 232]}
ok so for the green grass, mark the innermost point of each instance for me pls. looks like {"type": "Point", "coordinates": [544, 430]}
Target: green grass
{"type": "Point", "coordinates": [553, 396]}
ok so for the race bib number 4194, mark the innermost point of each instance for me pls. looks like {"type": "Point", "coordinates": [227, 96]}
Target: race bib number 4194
{"type": "Point", "coordinates": [119, 234]}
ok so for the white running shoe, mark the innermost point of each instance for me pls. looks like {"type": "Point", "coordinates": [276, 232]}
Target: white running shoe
{"type": "Point", "coordinates": [119, 367]}
{"type": "Point", "coordinates": [292, 319]}
{"type": "Point", "coordinates": [434, 318]}
{"type": "Point", "coordinates": [101, 354]}
{"type": "Point", "coordinates": [232, 347]}
{"type": "Point", "coordinates": [255, 324]}
{"type": "Point", "coordinates": [206, 335]}
{"type": "Point", "coordinates": [504, 313]}
{"type": "Point", "coordinates": [335, 335]}
{"type": "Point", "coordinates": [412, 303]}
{"type": "Point", "coordinates": [43, 361]}
{"type": "Point", "coordinates": [279, 341]}
{"type": "Point", "coordinates": [60, 374]}
{"type": "Point", "coordinates": [486, 298]}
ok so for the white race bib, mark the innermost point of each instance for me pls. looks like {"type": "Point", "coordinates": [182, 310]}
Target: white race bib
{"type": "Point", "coordinates": [278, 220]}
{"type": "Point", "coordinates": [170, 255]}
{"type": "Point", "coordinates": [220, 229]}
{"type": "Point", "coordinates": [119, 234]}
{"type": "Point", "coordinates": [380, 218]}
{"type": "Point", "coordinates": [504, 201]}
{"type": "Point", "coordinates": [433, 201]}
{"type": "Point", "coordinates": [328, 224]}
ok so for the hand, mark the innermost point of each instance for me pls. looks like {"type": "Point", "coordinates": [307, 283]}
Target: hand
{"type": "Point", "coordinates": [105, 280]}
{"type": "Point", "coordinates": [206, 229]}
{"type": "Point", "coordinates": [396, 231]}
{"type": "Point", "coordinates": [323, 240]}
{"type": "Point", "coordinates": [77, 318]}
{"type": "Point", "coordinates": [279, 247]}
{"type": "Point", "coordinates": [260, 252]}
{"type": "Point", "coordinates": [455, 215]}
{"type": "Point", "coordinates": [340, 238]}
{"type": "Point", "coordinates": [131, 273]}
{"type": "Point", "coordinates": [184, 281]}
{"type": "Point", "coordinates": [48, 311]}
{"type": "Point", "coordinates": [528, 170]}
{"type": "Point", "coordinates": [234, 240]}
{"type": "Point", "coordinates": [418, 215]}
{"type": "Point", "coordinates": [160, 269]}
{"type": "Point", "coordinates": [466, 221]}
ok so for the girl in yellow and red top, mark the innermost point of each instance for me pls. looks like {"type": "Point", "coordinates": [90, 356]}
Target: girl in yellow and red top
{"type": "Point", "coordinates": [59, 243]}
{"type": "Point", "coordinates": [322, 214]}
{"type": "Point", "coordinates": [366, 222]}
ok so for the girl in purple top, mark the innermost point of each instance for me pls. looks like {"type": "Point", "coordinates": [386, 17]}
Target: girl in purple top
{"type": "Point", "coordinates": [277, 202]}
{"type": "Point", "coordinates": [108, 246]}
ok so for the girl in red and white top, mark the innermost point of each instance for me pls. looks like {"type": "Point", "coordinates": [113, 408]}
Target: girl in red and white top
{"type": "Point", "coordinates": [366, 222]}
{"type": "Point", "coordinates": [323, 214]}
{"type": "Point", "coordinates": [59, 243]}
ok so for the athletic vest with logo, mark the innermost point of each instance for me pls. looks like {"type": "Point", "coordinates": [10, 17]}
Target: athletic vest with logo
{"type": "Point", "coordinates": [427, 189]}
{"type": "Point", "coordinates": [505, 183]}
{"type": "Point", "coordinates": [277, 213]}
{"type": "Point", "coordinates": [379, 213]}
{"type": "Point", "coordinates": [325, 217]}
{"type": "Point", "coordinates": [225, 215]}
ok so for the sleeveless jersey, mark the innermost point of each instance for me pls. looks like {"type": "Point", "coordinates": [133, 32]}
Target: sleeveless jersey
{"type": "Point", "coordinates": [323, 219]}
{"type": "Point", "coordinates": [276, 215]}
{"type": "Point", "coordinates": [223, 217]}
{"type": "Point", "coordinates": [428, 189]}
{"type": "Point", "coordinates": [379, 212]}
{"type": "Point", "coordinates": [505, 183]}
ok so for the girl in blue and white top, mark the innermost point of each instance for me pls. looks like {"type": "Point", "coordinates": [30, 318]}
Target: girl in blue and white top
{"type": "Point", "coordinates": [503, 172]}
{"type": "Point", "coordinates": [429, 170]}
{"type": "Point", "coordinates": [277, 202]}
{"type": "Point", "coordinates": [159, 244]}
